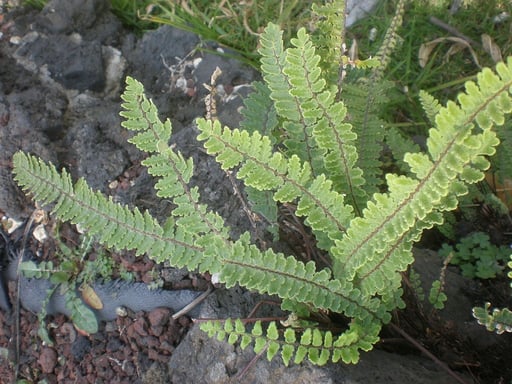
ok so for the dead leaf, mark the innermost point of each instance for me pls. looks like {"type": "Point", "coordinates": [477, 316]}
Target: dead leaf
{"type": "Point", "coordinates": [91, 297]}
{"type": "Point", "coordinates": [491, 48]}
{"type": "Point", "coordinates": [458, 44]}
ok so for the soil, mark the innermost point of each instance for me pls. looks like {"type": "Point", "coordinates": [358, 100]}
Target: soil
{"type": "Point", "coordinates": [61, 74]}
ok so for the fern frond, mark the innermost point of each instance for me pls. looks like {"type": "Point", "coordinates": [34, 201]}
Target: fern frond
{"type": "Point", "coordinates": [289, 278]}
{"type": "Point", "coordinates": [299, 139]}
{"type": "Point", "coordinates": [430, 105]}
{"type": "Point", "coordinates": [141, 116]}
{"type": "Point", "coordinates": [390, 41]}
{"type": "Point", "coordinates": [364, 99]}
{"type": "Point", "coordinates": [259, 113]}
{"type": "Point", "coordinates": [114, 225]}
{"type": "Point", "coordinates": [318, 346]}
{"type": "Point", "coordinates": [400, 145]}
{"type": "Point", "coordinates": [289, 179]}
{"type": "Point", "coordinates": [324, 115]}
{"type": "Point", "coordinates": [330, 36]}
{"type": "Point", "coordinates": [454, 155]}
{"type": "Point", "coordinates": [499, 320]}
{"type": "Point", "coordinates": [166, 163]}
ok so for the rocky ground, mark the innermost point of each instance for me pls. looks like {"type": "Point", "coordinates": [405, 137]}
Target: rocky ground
{"type": "Point", "coordinates": [61, 74]}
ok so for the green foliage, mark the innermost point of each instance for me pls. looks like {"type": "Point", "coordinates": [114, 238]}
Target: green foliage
{"type": "Point", "coordinates": [497, 320]}
{"type": "Point", "coordinates": [316, 345]}
{"type": "Point", "coordinates": [73, 270]}
{"type": "Point", "coordinates": [415, 282]}
{"type": "Point", "coordinates": [436, 296]}
{"type": "Point", "coordinates": [233, 24]}
{"type": "Point", "coordinates": [477, 256]}
{"type": "Point", "coordinates": [368, 235]}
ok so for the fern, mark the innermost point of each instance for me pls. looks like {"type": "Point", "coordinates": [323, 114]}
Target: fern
{"type": "Point", "coordinates": [364, 99]}
{"type": "Point", "coordinates": [368, 237]}
{"type": "Point", "coordinates": [318, 346]}
{"type": "Point", "coordinates": [499, 320]}
{"type": "Point", "coordinates": [288, 178]}
{"type": "Point", "coordinates": [310, 113]}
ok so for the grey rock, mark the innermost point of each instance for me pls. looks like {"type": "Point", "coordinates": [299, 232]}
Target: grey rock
{"type": "Point", "coordinates": [66, 16]}
{"type": "Point", "coordinates": [113, 295]}
{"type": "Point", "coordinates": [200, 359]}
{"type": "Point", "coordinates": [74, 63]}
{"type": "Point", "coordinates": [358, 9]}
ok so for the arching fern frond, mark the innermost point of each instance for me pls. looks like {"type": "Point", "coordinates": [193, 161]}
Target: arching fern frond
{"type": "Point", "coordinates": [113, 224]}
{"type": "Point", "coordinates": [274, 273]}
{"type": "Point", "coordinates": [324, 115]}
{"type": "Point", "coordinates": [454, 153]}
{"type": "Point", "coordinates": [166, 163]}
{"type": "Point", "coordinates": [318, 346]}
{"type": "Point", "coordinates": [295, 124]}
{"type": "Point", "coordinates": [301, 97]}
{"type": "Point", "coordinates": [289, 179]}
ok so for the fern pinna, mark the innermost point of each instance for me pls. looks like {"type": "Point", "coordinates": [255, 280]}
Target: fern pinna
{"type": "Point", "coordinates": [369, 237]}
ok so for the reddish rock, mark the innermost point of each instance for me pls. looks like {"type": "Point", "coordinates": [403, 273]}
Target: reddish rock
{"type": "Point", "coordinates": [140, 326]}
{"type": "Point", "coordinates": [47, 360]}
{"type": "Point", "coordinates": [159, 316]}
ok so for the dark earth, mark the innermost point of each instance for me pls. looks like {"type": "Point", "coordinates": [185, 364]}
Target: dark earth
{"type": "Point", "coordinates": [62, 70]}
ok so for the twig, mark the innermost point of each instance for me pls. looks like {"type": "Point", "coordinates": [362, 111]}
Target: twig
{"type": "Point", "coordinates": [193, 303]}
{"type": "Point", "coordinates": [252, 216]}
{"type": "Point", "coordinates": [441, 24]}
{"type": "Point", "coordinates": [442, 365]}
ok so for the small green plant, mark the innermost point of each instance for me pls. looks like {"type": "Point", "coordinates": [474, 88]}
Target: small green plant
{"type": "Point", "coordinates": [477, 256]}
{"type": "Point", "coordinates": [308, 154]}
{"type": "Point", "coordinates": [497, 320]}
{"type": "Point", "coordinates": [71, 275]}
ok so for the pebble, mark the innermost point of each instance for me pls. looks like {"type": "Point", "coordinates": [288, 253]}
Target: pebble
{"type": "Point", "coordinates": [47, 360]}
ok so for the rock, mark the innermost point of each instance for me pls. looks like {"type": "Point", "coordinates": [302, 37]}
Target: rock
{"type": "Point", "coordinates": [61, 17]}
{"type": "Point", "coordinates": [201, 359]}
{"type": "Point", "coordinates": [358, 9]}
{"type": "Point", "coordinates": [47, 359]}
{"type": "Point", "coordinates": [158, 318]}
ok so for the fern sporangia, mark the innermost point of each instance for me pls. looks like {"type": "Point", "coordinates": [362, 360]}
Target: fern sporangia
{"type": "Point", "coordinates": [369, 237]}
